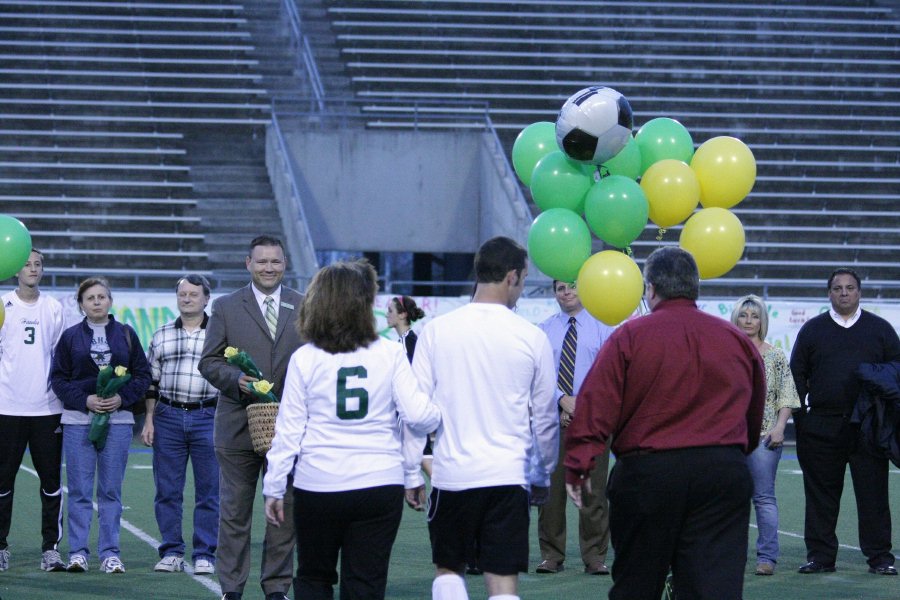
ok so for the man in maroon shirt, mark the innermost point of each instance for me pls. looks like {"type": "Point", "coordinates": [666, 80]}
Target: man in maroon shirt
{"type": "Point", "coordinates": [681, 394]}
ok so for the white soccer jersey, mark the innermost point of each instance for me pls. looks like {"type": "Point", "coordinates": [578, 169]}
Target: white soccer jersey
{"type": "Point", "coordinates": [28, 338]}
{"type": "Point", "coordinates": [338, 419]}
{"type": "Point", "coordinates": [487, 368]}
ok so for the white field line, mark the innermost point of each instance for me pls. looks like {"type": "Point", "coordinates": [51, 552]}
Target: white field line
{"type": "Point", "coordinates": [148, 539]}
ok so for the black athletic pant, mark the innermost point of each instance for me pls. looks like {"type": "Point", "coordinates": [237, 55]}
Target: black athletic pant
{"type": "Point", "coordinates": [361, 526]}
{"type": "Point", "coordinates": [826, 444]}
{"type": "Point", "coordinates": [687, 510]}
{"type": "Point", "coordinates": [43, 437]}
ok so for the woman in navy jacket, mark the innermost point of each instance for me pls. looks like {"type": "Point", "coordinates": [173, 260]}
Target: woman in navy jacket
{"type": "Point", "coordinates": [97, 341]}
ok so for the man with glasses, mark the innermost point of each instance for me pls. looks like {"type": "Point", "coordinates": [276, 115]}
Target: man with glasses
{"type": "Point", "coordinates": [576, 338]}
{"type": "Point", "coordinates": [828, 350]}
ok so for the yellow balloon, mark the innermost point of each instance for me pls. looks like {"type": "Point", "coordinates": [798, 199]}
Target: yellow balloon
{"type": "Point", "coordinates": [715, 237]}
{"type": "Point", "coordinates": [726, 170]}
{"type": "Point", "coordinates": [2, 314]}
{"type": "Point", "coordinates": [672, 191]}
{"type": "Point", "coordinates": [610, 286]}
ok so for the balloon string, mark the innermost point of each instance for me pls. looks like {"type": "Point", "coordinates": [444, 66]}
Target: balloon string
{"type": "Point", "coordinates": [660, 233]}
{"type": "Point", "coordinates": [627, 250]}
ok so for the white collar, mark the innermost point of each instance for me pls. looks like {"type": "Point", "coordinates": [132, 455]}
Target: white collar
{"type": "Point", "coordinates": [845, 323]}
{"type": "Point", "coordinates": [261, 298]}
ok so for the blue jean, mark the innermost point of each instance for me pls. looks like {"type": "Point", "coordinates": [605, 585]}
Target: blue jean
{"type": "Point", "coordinates": [763, 465]}
{"type": "Point", "coordinates": [178, 435]}
{"type": "Point", "coordinates": [83, 463]}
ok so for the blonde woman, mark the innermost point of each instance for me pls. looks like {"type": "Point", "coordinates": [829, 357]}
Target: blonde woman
{"type": "Point", "coordinates": [750, 316]}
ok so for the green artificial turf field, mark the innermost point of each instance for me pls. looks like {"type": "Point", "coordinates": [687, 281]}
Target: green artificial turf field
{"type": "Point", "coordinates": [411, 571]}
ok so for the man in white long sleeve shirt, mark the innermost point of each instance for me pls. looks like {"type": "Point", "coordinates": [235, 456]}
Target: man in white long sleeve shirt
{"type": "Point", "coordinates": [492, 374]}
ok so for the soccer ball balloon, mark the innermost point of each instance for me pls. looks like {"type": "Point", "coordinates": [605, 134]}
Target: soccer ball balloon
{"type": "Point", "coordinates": [594, 124]}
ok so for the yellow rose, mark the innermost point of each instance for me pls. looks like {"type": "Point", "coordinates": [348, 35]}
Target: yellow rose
{"type": "Point", "coordinates": [264, 387]}
{"type": "Point", "coordinates": [120, 370]}
{"type": "Point", "coordinates": [230, 351]}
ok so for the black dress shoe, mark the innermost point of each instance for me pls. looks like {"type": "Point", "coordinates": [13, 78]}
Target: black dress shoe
{"type": "Point", "coordinates": [816, 567]}
{"type": "Point", "coordinates": [883, 570]}
{"type": "Point", "coordinates": [231, 596]}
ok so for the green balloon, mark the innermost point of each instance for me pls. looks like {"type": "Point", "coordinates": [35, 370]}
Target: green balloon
{"type": "Point", "coordinates": [616, 209]}
{"type": "Point", "coordinates": [532, 144]}
{"type": "Point", "coordinates": [15, 246]}
{"type": "Point", "coordinates": [558, 243]}
{"type": "Point", "coordinates": [663, 138]}
{"type": "Point", "coordinates": [627, 162]}
{"type": "Point", "coordinates": [559, 182]}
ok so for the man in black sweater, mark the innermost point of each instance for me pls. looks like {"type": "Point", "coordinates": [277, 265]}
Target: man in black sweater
{"type": "Point", "coordinates": [828, 350]}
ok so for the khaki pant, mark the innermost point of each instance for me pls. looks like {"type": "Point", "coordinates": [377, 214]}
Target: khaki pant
{"type": "Point", "coordinates": [593, 518]}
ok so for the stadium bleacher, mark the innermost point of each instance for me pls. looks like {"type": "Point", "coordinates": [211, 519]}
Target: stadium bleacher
{"type": "Point", "coordinates": [809, 86]}
{"type": "Point", "coordinates": [118, 122]}
{"type": "Point", "coordinates": [157, 111]}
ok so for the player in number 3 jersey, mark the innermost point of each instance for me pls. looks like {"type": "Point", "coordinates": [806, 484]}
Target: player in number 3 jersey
{"type": "Point", "coordinates": [337, 428]}
{"type": "Point", "coordinates": [29, 410]}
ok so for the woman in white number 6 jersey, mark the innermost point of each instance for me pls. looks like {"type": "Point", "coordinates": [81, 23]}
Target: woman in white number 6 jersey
{"type": "Point", "coordinates": [338, 430]}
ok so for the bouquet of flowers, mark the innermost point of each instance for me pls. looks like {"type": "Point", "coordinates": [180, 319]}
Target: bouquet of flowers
{"type": "Point", "coordinates": [109, 382]}
{"type": "Point", "coordinates": [262, 389]}
{"type": "Point", "coordinates": [262, 409]}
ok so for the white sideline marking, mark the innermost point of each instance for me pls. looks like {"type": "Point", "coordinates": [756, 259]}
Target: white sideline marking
{"type": "Point", "coordinates": [799, 472]}
{"type": "Point", "coordinates": [145, 537]}
{"type": "Point", "coordinates": [800, 537]}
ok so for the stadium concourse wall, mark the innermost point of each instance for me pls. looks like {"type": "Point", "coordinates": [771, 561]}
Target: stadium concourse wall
{"type": "Point", "coordinates": [399, 190]}
{"type": "Point", "coordinates": [146, 312]}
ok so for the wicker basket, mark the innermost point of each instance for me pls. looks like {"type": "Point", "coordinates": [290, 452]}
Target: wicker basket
{"type": "Point", "coordinates": [261, 419]}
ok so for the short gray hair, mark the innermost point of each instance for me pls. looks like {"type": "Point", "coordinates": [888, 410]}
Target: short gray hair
{"type": "Point", "coordinates": [195, 279]}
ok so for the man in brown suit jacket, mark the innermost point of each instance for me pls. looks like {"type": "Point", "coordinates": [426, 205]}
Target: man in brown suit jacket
{"type": "Point", "coordinates": [258, 319]}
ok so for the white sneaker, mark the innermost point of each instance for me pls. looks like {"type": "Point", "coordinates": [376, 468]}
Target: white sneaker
{"type": "Point", "coordinates": [4, 559]}
{"type": "Point", "coordinates": [52, 561]}
{"type": "Point", "coordinates": [203, 566]}
{"type": "Point", "coordinates": [170, 564]}
{"type": "Point", "coordinates": [77, 564]}
{"type": "Point", "coordinates": [112, 564]}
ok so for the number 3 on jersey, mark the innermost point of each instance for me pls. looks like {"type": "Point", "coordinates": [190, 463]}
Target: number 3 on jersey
{"type": "Point", "coordinates": [29, 338]}
{"type": "Point", "coordinates": [351, 410]}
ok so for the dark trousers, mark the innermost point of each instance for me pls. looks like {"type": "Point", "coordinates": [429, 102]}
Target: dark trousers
{"type": "Point", "coordinates": [43, 437]}
{"type": "Point", "coordinates": [239, 472]}
{"type": "Point", "coordinates": [360, 525]}
{"type": "Point", "coordinates": [593, 518]}
{"type": "Point", "coordinates": [826, 444]}
{"type": "Point", "coordinates": [688, 510]}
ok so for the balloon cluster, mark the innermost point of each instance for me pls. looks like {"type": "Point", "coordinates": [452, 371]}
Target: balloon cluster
{"type": "Point", "coordinates": [15, 248]}
{"type": "Point", "coordinates": [674, 180]}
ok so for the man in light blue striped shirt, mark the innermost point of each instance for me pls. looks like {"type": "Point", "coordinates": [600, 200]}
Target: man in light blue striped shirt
{"type": "Point", "coordinates": [593, 520]}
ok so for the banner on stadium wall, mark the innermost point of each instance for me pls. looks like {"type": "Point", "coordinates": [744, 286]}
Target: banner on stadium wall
{"type": "Point", "coordinates": [147, 312]}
